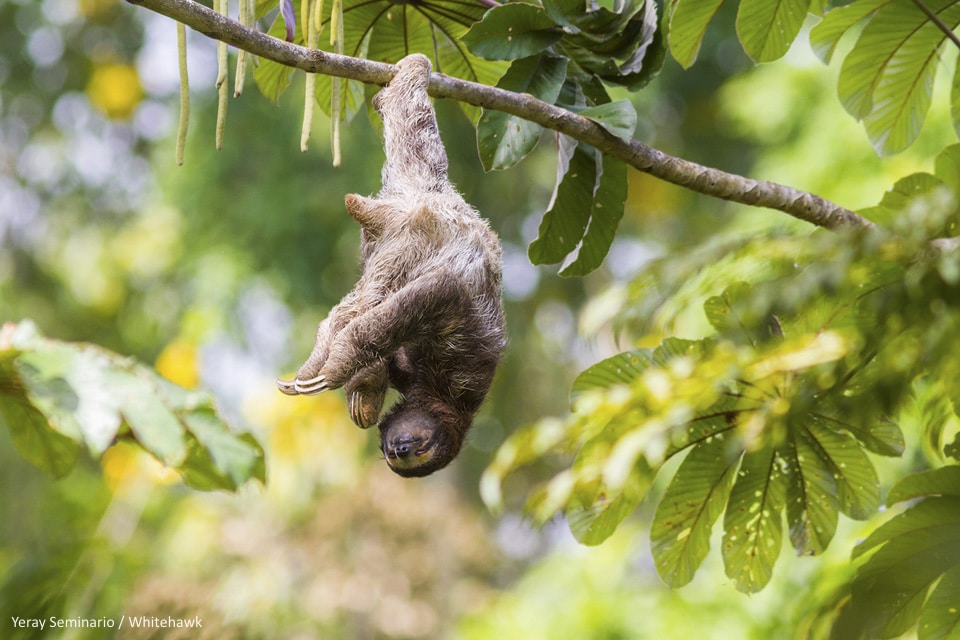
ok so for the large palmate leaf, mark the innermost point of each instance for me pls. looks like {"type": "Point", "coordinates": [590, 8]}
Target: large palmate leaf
{"type": "Point", "coordinates": [765, 431]}
{"type": "Point", "coordinates": [387, 31]}
{"type": "Point", "coordinates": [56, 397]}
{"type": "Point", "coordinates": [908, 555]}
{"type": "Point", "coordinates": [887, 78]}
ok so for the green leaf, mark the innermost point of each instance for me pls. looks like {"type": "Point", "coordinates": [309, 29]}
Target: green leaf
{"type": "Point", "coordinates": [388, 31]}
{"type": "Point", "coordinates": [619, 118]}
{"type": "Point", "coordinates": [944, 481]}
{"type": "Point", "coordinates": [511, 31]}
{"type": "Point", "coordinates": [889, 590]}
{"type": "Point", "coordinates": [622, 368]}
{"type": "Point", "coordinates": [78, 393]}
{"type": "Point", "coordinates": [923, 515]}
{"type": "Point", "coordinates": [695, 498]}
{"type": "Point", "coordinates": [273, 78]}
{"type": "Point", "coordinates": [594, 515]}
{"type": "Point", "coordinates": [504, 140]}
{"type": "Point", "coordinates": [569, 211]}
{"type": "Point", "coordinates": [753, 524]}
{"type": "Point", "coordinates": [825, 37]}
{"type": "Point", "coordinates": [947, 167]}
{"type": "Point", "coordinates": [605, 214]}
{"type": "Point", "coordinates": [32, 436]}
{"type": "Point", "coordinates": [767, 28]}
{"type": "Point", "coordinates": [881, 437]}
{"type": "Point", "coordinates": [858, 488]}
{"type": "Point", "coordinates": [688, 24]}
{"type": "Point", "coordinates": [623, 47]}
{"type": "Point", "coordinates": [811, 496]}
{"type": "Point", "coordinates": [955, 100]}
{"type": "Point", "coordinates": [940, 618]}
{"type": "Point", "coordinates": [720, 309]}
{"type": "Point", "coordinates": [887, 79]}
{"type": "Point", "coordinates": [522, 447]}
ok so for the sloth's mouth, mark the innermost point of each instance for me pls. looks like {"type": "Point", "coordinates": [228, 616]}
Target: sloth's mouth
{"type": "Point", "coordinates": [414, 458]}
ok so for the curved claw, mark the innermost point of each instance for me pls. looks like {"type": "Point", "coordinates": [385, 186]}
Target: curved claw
{"type": "Point", "coordinates": [312, 386]}
{"type": "Point", "coordinates": [287, 387]}
{"type": "Point", "coordinates": [356, 413]}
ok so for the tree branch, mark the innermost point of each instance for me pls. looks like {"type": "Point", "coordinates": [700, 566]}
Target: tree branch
{"type": "Point", "coordinates": [705, 180]}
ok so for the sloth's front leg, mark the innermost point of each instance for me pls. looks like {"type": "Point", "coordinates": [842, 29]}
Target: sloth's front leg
{"type": "Point", "coordinates": [308, 381]}
{"type": "Point", "coordinates": [305, 376]}
{"type": "Point", "coordinates": [366, 392]}
{"type": "Point", "coordinates": [427, 310]}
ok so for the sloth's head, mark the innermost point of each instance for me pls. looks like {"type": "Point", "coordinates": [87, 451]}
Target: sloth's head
{"type": "Point", "coordinates": [414, 443]}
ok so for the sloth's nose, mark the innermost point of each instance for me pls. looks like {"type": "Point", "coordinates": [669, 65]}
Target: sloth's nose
{"type": "Point", "coordinates": [404, 448]}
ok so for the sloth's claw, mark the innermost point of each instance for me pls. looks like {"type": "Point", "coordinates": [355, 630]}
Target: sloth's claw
{"type": "Point", "coordinates": [312, 386]}
{"type": "Point", "coordinates": [356, 409]}
{"type": "Point", "coordinates": [288, 387]}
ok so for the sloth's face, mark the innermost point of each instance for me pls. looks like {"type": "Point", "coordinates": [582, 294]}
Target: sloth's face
{"type": "Point", "coordinates": [414, 444]}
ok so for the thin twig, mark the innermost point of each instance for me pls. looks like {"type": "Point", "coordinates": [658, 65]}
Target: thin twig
{"type": "Point", "coordinates": [706, 180]}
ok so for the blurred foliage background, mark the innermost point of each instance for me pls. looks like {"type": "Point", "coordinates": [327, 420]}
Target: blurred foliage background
{"type": "Point", "coordinates": [218, 271]}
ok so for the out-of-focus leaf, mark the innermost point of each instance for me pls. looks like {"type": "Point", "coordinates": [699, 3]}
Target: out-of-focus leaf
{"type": "Point", "coordinates": [955, 100]}
{"type": "Point", "coordinates": [522, 447]}
{"type": "Point", "coordinates": [31, 434]}
{"type": "Point", "coordinates": [826, 35]}
{"type": "Point", "coordinates": [753, 524]}
{"type": "Point", "coordinates": [512, 31]}
{"type": "Point", "coordinates": [811, 495]}
{"type": "Point", "coordinates": [882, 437]}
{"type": "Point", "coordinates": [503, 140]}
{"type": "Point", "coordinates": [567, 216]}
{"type": "Point", "coordinates": [594, 516]}
{"type": "Point", "coordinates": [688, 23]}
{"type": "Point", "coordinates": [937, 482]}
{"type": "Point", "coordinates": [858, 488]}
{"type": "Point", "coordinates": [605, 214]}
{"type": "Point", "coordinates": [940, 618]}
{"type": "Point", "coordinates": [947, 167]}
{"type": "Point", "coordinates": [767, 29]}
{"type": "Point", "coordinates": [622, 368]}
{"type": "Point", "coordinates": [67, 394]}
{"type": "Point", "coordinates": [890, 588]}
{"type": "Point", "coordinates": [720, 309]}
{"type": "Point", "coordinates": [695, 498]}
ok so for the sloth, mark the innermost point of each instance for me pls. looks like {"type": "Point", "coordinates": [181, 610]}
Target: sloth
{"type": "Point", "coordinates": [426, 316]}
